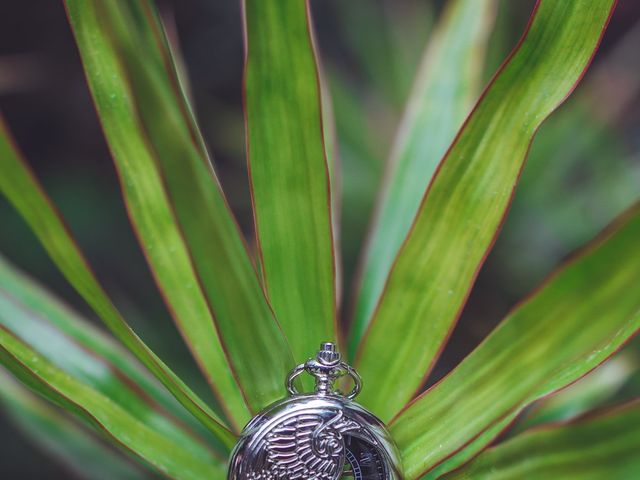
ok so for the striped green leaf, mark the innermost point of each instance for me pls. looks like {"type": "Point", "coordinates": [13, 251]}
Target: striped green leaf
{"type": "Point", "coordinates": [289, 173]}
{"type": "Point", "coordinates": [591, 392]}
{"type": "Point", "coordinates": [58, 436]}
{"type": "Point", "coordinates": [132, 431]}
{"type": "Point", "coordinates": [58, 336]}
{"type": "Point", "coordinates": [581, 316]}
{"type": "Point", "coordinates": [22, 189]}
{"type": "Point", "coordinates": [33, 314]}
{"type": "Point", "coordinates": [185, 226]}
{"type": "Point", "coordinates": [600, 446]}
{"type": "Point", "coordinates": [470, 450]}
{"type": "Point", "coordinates": [446, 87]}
{"type": "Point", "coordinates": [147, 200]}
{"type": "Point", "coordinates": [467, 199]}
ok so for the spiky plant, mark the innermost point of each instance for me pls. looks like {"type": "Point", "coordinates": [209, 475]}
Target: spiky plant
{"type": "Point", "coordinates": [248, 320]}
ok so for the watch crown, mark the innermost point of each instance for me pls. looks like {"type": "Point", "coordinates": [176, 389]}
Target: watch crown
{"type": "Point", "coordinates": [328, 354]}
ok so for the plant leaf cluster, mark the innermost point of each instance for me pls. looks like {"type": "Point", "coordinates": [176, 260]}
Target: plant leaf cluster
{"type": "Point", "coordinates": [248, 315]}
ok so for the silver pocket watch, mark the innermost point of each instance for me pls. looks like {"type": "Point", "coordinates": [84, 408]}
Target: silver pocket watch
{"type": "Point", "coordinates": [322, 435]}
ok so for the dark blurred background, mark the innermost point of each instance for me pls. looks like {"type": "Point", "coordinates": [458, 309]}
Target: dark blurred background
{"type": "Point", "coordinates": [584, 166]}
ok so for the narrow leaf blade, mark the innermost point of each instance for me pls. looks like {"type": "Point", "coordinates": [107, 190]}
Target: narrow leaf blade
{"type": "Point", "coordinates": [470, 450]}
{"type": "Point", "coordinates": [575, 321]}
{"type": "Point", "coordinates": [128, 431]}
{"type": "Point", "coordinates": [289, 174]}
{"type": "Point", "coordinates": [446, 87]}
{"type": "Point", "coordinates": [467, 200]}
{"type": "Point", "coordinates": [601, 446]}
{"type": "Point", "coordinates": [150, 98]}
{"type": "Point", "coordinates": [37, 317]}
{"type": "Point", "coordinates": [57, 337]}
{"type": "Point", "coordinates": [22, 189]}
{"type": "Point", "coordinates": [587, 394]}
{"type": "Point", "coordinates": [148, 203]}
{"type": "Point", "coordinates": [59, 437]}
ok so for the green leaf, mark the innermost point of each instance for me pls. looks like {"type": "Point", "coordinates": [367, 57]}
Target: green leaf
{"type": "Point", "coordinates": [467, 200]}
{"type": "Point", "coordinates": [565, 176]}
{"type": "Point", "coordinates": [57, 335]}
{"type": "Point", "coordinates": [147, 200]}
{"type": "Point", "coordinates": [81, 453]}
{"type": "Point", "coordinates": [69, 341]}
{"type": "Point", "coordinates": [590, 392]}
{"type": "Point", "coordinates": [581, 316]}
{"type": "Point", "coordinates": [470, 450]}
{"type": "Point", "coordinates": [136, 433]}
{"type": "Point", "coordinates": [445, 89]}
{"type": "Point", "coordinates": [597, 447]}
{"type": "Point", "coordinates": [22, 189]}
{"type": "Point", "coordinates": [45, 317]}
{"type": "Point", "coordinates": [387, 44]}
{"type": "Point", "coordinates": [176, 202]}
{"type": "Point", "coordinates": [289, 174]}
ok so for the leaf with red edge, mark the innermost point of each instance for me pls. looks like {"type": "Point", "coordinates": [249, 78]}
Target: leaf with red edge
{"type": "Point", "coordinates": [581, 316]}
{"type": "Point", "coordinates": [134, 433]}
{"type": "Point", "coordinates": [596, 389]}
{"type": "Point", "coordinates": [289, 172]}
{"type": "Point", "coordinates": [446, 86]}
{"type": "Point", "coordinates": [50, 348]}
{"type": "Point", "coordinates": [59, 437]}
{"type": "Point", "coordinates": [37, 317]}
{"type": "Point", "coordinates": [22, 189]}
{"type": "Point", "coordinates": [186, 229]}
{"type": "Point", "coordinates": [472, 449]}
{"type": "Point", "coordinates": [467, 200]}
{"type": "Point", "coordinates": [603, 445]}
